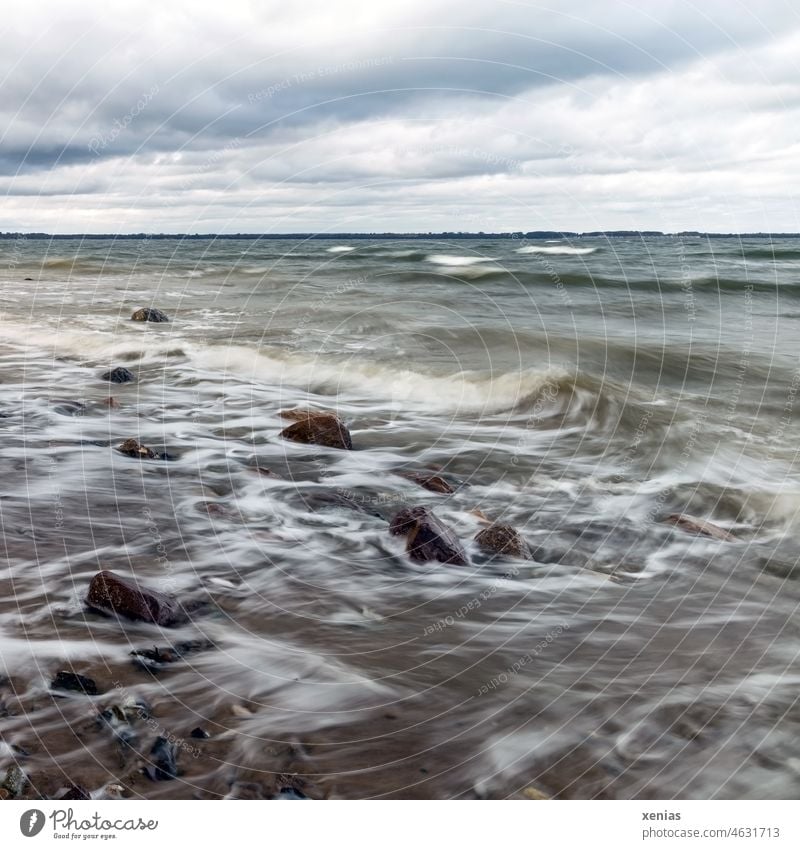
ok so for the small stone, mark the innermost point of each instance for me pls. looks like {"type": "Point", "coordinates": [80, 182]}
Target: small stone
{"type": "Point", "coordinates": [698, 526]}
{"type": "Point", "coordinates": [212, 508]}
{"type": "Point", "coordinates": [15, 781]}
{"type": "Point", "coordinates": [115, 718]}
{"type": "Point", "coordinates": [134, 448]}
{"type": "Point", "coordinates": [112, 593]}
{"type": "Point", "coordinates": [290, 794]}
{"type": "Point", "coordinates": [199, 734]}
{"type": "Point", "coordinates": [76, 792]}
{"type": "Point", "coordinates": [74, 682]}
{"type": "Point", "coordinates": [119, 375]}
{"type": "Point", "coordinates": [533, 793]}
{"type": "Point", "coordinates": [149, 314]}
{"type": "Point", "coordinates": [500, 538]}
{"type": "Point", "coordinates": [241, 711]}
{"type": "Point", "coordinates": [312, 428]}
{"type": "Point", "coordinates": [111, 402]}
{"type": "Point", "coordinates": [163, 756]}
{"type": "Point", "coordinates": [427, 537]}
{"type": "Point", "coordinates": [434, 483]}
{"type": "Point", "coordinates": [157, 657]}
{"type": "Point", "coordinates": [297, 414]}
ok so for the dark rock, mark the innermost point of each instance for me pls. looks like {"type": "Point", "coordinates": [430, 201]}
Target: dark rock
{"type": "Point", "coordinates": [427, 537]}
{"type": "Point", "coordinates": [698, 526]}
{"type": "Point", "coordinates": [111, 593]}
{"type": "Point", "coordinates": [14, 781]}
{"type": "Point", "coordinates": [212, 508]}
{"type": "Point", "coordinates": [435, 483]}
{"type": "Point", "coordinates": [298, 414]}
{"type": "Point", "coordinates": [313, 428]}
{"type": "Point", "coordinates": [290, 794]}
{"type": "Point", "coordinates": [29, 278]}
{"type": "Point", "coordinates": [133, 448]}
{"type": "Point", "coordinates": [199, 734]}
{"type": "Point", "coordinates": [74, 682]}
{"type": "Point", "coordinates": [156, 658]}
{"type": "Point", "coordinates": [149, 314]}
{"type": "Point", "coordinates": [327, 499]}
{"type": "Point", "coordinates": [118, 720]}
{"type": "Point", "coordinates": [119, 375]}
{"type": "Point", "coordinates": [70, 408]}
{"type": "Point", "coordinates": [75, 792]}
{"type": "Point", "coordinates": [163, 761]}
{"type": "Point", "coordinates": [499, 538]}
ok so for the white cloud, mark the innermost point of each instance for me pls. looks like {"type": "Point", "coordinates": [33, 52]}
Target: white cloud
{"type": "Point", "coordinates": [401, 116]}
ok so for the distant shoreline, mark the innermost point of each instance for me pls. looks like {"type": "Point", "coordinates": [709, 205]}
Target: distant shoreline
{"type": "Point", "coordinates": [536, 234]}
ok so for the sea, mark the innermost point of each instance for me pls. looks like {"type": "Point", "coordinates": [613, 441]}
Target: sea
{"type": "Point", "coordinates": [584, 390]}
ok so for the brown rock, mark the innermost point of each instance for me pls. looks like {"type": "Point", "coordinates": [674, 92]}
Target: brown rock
{"type": "Point", "coordinates": [66, 680]}
{"type": "Point", "coordinates": [75, 792]}
{"type": "Point", "coordinates": [297, 414]}
{"type": "Point", "coordinates": [15, 781]}
{"type": "Point", "coordinates": [149, 314]}
{"type": "Point", "coordinates": [427, 537]}
{"type": "Point", "coordinates": [698, 526]}
{"type": "Point", "coordinates": [133, 448]}
{"type": "Point", "coordinates": [435, 483]}
{"type": "Point", "coordinates": [112, 593]}
{"type": "Point", "coordinates": [313, 428]}
{"type": "Point", "coordinates": [499, 538]}
{"type": "Point", "coordinates": [111, 402]}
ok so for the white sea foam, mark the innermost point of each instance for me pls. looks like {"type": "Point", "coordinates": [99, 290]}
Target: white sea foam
{"type": "Point", "coordinates": [566, 250]}
{"type": "Point", "coordinates": [340, 249]}
{"type": "Point", "coordinates": [460, 392]}
{"type": "Point", "coordinates": [456, 261]}
{"type": "Point", "coordinates": [399, 388]}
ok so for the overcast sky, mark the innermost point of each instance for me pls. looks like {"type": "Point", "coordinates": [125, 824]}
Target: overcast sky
{"type": "Point", "coordinates": [401, 115]}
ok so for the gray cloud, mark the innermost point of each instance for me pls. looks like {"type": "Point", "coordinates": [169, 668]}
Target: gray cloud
{"type": "Point", "coordinates": [337, 116]}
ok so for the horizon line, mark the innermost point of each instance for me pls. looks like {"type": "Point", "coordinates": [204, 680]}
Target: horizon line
{"type": "Point", "coordinates": [398, 234]}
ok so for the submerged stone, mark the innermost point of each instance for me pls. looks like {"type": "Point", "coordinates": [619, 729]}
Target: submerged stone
{"type": "Point", "coordinates": [427, 537]}
{"type": "Point", "coordinates": [134, 448]}
{"type": "Point", "coordinates": [149, 314]}
{"type": "Point", "coordinates": [119, 375]}
{"type": "Point", "coordinates": [313, 428]}
{"type": "Point", "coordinates": [500, 538]}
{"type": "Point", "coordinates": [74, 682]}
{"type": "Point", "coordinates": [112, 593]}
{"type": "Point", "coordinates": [692, 525]}
{"type": "Point", "coordinates": [164, 761]}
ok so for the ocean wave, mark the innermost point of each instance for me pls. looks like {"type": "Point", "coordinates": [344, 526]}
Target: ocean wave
{"type": "Point", "coordinates": [408, 255]}
{"type": "Point", "coordinates": [456, 261]}
{"type": "Point", "coordinates": [90, 345]}
{"type": "Point", "coordinates": [566, 250]}
{"type": "Point", "coordinates": [773, 253]}
{"type": "Point", "coordinates": [340, 249]}
{"type": "Point", "coordinates": [399, 387]}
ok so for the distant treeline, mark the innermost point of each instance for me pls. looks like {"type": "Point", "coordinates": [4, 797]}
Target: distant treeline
{"type": "Point", "coordinates": [536, 234]}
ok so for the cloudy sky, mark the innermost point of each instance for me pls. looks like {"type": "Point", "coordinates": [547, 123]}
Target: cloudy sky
{"type": "Point", "coordinates": [406, 115]}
